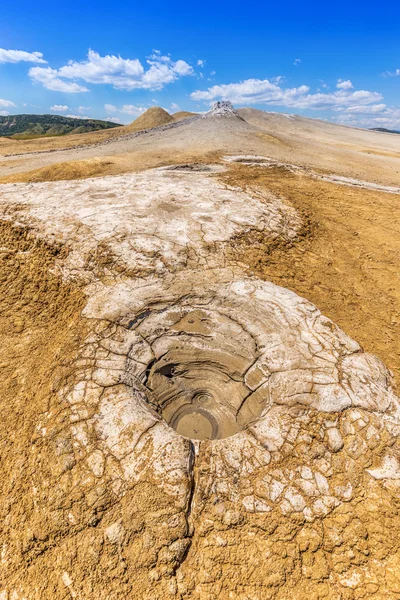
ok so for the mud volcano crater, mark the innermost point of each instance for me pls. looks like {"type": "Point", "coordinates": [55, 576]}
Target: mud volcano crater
{"type": "Point", "coordinates": [197, 379]}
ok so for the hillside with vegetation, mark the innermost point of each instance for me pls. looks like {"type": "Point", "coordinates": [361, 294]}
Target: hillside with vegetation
{"type": "Point", "coordinates": [384, 130]}
{"type": "Point", "coordinates": [31, 126]}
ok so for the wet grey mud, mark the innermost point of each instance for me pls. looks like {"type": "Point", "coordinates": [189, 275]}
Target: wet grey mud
{"type": "Point", "coordinates": [198, 376]}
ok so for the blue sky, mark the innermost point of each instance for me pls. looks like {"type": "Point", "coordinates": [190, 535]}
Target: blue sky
{"type": "Point", "coordinates": [338, 61]}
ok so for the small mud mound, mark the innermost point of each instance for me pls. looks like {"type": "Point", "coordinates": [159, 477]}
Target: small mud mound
{"type": "Point", "coordinates": [153, 117]}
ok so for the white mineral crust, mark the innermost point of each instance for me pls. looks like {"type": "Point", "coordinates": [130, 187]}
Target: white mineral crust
{"type": "Point", "coordinates": [279, 368]}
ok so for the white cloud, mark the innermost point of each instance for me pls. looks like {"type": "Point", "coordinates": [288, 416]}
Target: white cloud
{"type": "Point", "coordinates": [6, 103]}
{"type": "Point", "coordinates": [49, 79]}
{"type": "Point", "coordinates": [175, 106]}
{"type": "Point", "coordinates": [182, 68]}
{"type": "Point", "coordinates": [78, 117]}
{"type": "Point", "coordinates": [4, 113]}
{"type": "Point", "coordinates": [15, 56]}
{"type": "Point", "coordinates": [367, 110]}
{"type": "Point", "coordinates": [157, 56]}
{"type": "Point", "coordinates": [201, 63]}
{"type": "Point", "coordinates": [126, 109]}
{"type": "Point", "coordinates": [344, 85]}
{"type": "Point", "coordinates": [121, 73]}
{"type": "Point", "coordinates": [376, 115]}
{"type": "Point", "coordinates": [101, 69]}
{"type": "Point", "coordinates": [59, 108]}
{"type": "Point", "coordinates": [257, 91]}
{"type": "Point", "coordinates": [130, 109]}
{"type": "Point", "coordinates": [297, 61]}
{"type": "Point", "coordinates": [113, 119]}
{"type": "Point", "coordinates": [395, 73]}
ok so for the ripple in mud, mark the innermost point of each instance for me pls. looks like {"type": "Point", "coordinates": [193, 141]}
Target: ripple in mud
{"type": "Point", "coordinates": [197, 377]}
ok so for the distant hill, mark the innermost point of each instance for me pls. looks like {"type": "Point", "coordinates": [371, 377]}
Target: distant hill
{"type": "Point", "coordinates": [153, 117]}
{"type": "Point", "coordinates": [384, 130]}
{"type": "Point", "coordinates": [32, 126]}
{"type": "Point", "coordinates": [183, 114]}
{"type": "Point", "coordinates": [157, 117]}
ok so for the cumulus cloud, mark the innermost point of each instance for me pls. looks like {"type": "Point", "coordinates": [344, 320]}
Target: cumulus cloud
{"type": "Point", "coordinates": [126, 109]}
{"type": "Point", "coordinates": [49, 79]}
{"type": "Point", "coordinates": [59, 108]}
{"type": "Point", "coordinates": [376, 115]}
{"type": "Point", "coordinates": [4, 113]}
{"type": "Point", "coordinates": [16, 56]}
{"type": "Point", "coordinates": [344, 85]}
{"type": "Point", "coordinates": [367, 110]}
{"type": "Point", "coordinates": [121, 73]}
{"type": "Point", "coordinates": [130, 109]}
{"type": "Point", "coordinates": [156, 55]}
{"type": "Point", "coordinates": [201, 63]}
{"type": "Point", "coordinates": [183, 68]}
{"type": "Point", "coordinates": [264, 91]}
{"type": "Point", "coordinates": [175, 106]}
{"type": "Point", "coordinates": [297, 61]}
{"type": "Point", "coordinates": [6, 103]}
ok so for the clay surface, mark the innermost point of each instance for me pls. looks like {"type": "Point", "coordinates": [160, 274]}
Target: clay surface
{"type": "Point", "coordinates": [208, 434]}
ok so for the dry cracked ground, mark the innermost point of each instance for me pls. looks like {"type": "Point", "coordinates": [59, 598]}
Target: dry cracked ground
{"type": "Point", "coordinates": [179, 418]}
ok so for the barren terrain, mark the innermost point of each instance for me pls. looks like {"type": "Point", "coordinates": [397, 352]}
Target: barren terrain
{"type": "Point", "coordinates": [200, 353]}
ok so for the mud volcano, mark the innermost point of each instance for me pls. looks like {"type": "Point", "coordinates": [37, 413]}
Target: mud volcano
{"type": "Point", "coordinates": [210, 435]}
{"type": "Point", "coordinates": [198, 380]}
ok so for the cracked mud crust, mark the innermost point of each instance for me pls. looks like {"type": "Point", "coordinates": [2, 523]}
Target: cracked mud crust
{"type": "Point", "coordinates": [175, 426]}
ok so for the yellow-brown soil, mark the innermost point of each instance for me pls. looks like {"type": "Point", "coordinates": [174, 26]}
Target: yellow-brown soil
{"type": "Point", "coordinates": [10, 147]}
{"type": "Point", "coordinates": [40, 328]}
{"type": "Point", "coordinates": [346, 264]}
{"type": "Point", "coordinates": [78, 169]}
{"type": "Point", "coordinates": [183, 114]}
{"type": "Point", "coordinates": [272, 139]}
{"type": "Point", "coordinates": [113, 165]}
{"type": "Point", "coordinates": [347, 261]}
{"type": "Point", "coordinates": [153, 117]}
{"type": "Point", "coordinates": [55, 518]}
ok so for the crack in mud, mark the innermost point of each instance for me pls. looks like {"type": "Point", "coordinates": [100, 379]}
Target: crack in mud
{"type": "Point", "coordinates": [205, 413]}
